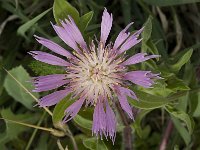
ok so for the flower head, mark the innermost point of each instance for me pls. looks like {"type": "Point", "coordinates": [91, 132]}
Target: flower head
{"type": "Point", "coordinates": [95, 74]}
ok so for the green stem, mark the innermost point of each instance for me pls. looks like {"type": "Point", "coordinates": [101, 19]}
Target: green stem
{"type": "Point", "coordinates": [35, 131]}
{"type": "Point", "coordinates": [70, 135]}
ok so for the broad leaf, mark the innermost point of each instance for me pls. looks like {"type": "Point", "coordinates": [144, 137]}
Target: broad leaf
{"type": "Point", "coordinates": [182, 116]}
{"type": "Point", "coordinates": [85, 20]}
{"type": "Point", "coordinates": [61, 10]}
{"type": "Point", "coordinates": [94, 144]}
{"type": "Point", "coordinates": [59, 110]}
{"type": "Point", "coordinates": [182, 131]}
{"type": "Point", "coordinates": [148, 101]}
{"type": "Point", "coordinates": [146, 34]}
{"type": "Point", "coordinates": [83, 122]}
{"type": "Point", "coordinates": [13, 130]}
{"type": "Point", "coordinates": [183, 59]}
{"type": "Point", "coordinates": [16, 91]}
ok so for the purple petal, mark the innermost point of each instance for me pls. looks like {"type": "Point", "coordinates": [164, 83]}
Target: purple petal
{"type": "Point", "coordinates": [140, 57]}
{"type": "Point", "coordinates": [66, 37]}
{"type": "Point", "coordinates": [106, 25]}
{"type": "Point", "coordinates": [122, 94]}
{"type": "Point", "coordinates": [122, 37]}
{"type": "Point", "coordinates": [71, 28]}
{"type": "Point", "coordinates": [99, 120]}
{"type": "Point", "coordinates": [53, 98]}
{"type": "Point", "coordinates": [110, 123]}
{"type": "Point", "coordinates": [142, 78]}
{"type": "Point", "coordinates": [40, 87]}
{"type": "Point", "coordinates": [49, 78]}
{"type": "Point", "coordinates": [48, 58]}
{"type": "Point", "coordinates": [130, 42]}
{"type": "Point", "coordinates": [73, 109]}
{"type": "Point", "coordinates": [53, 47]}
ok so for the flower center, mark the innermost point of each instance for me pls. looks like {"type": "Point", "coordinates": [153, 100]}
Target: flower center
{"type": "Point", "coordinates": [95, 73]}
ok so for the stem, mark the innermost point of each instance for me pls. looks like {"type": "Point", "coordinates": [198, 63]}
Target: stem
{"type": "Point", "coordinates": [25, 89]}
{"type": "Point", "coordinates": [35, 131]}
{"type": "Point", "coordinates": [30, 125]}
{"type": "Point", "coordinates": [70, 135]}
{"type": "Point", "coordinates": [167, 133]}
{"type": "Point", "coordinates": [127, 136]}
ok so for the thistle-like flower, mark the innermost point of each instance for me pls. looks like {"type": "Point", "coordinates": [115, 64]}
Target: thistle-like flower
{"type": "Point", "coordinates": [95, 74]}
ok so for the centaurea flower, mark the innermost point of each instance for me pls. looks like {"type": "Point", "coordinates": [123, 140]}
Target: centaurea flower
{"type": "Point", "coordinates": [95, 74]}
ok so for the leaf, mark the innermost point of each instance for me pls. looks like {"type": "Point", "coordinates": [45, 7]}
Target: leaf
{"type": "Point", "coordinates": [196, 97]}
{"type": "Point", "coordinates": [175, 84]}
{"type": "Point", "coordinates": [148, 101]}
{"type": "Point", "coordinates": [137, 124]}
{"type": "Point", "coordinates": [182, 116]}
{"type": "Point", "coordinates": [146, 34]}
{"type": "Point", "coordinates": [94, 144]}
{"type": "Point", "coordinates": [16, 91]}
{"type": "Point", "coordinates": [23, 28]}
{"type": "Point", "coordinates": [183, 60]}
{"type": "Point", "coordinates": [85, 20]}
{"type": "Point", "coordinates": [170, 2]}
{"type": "Point", "coordinates": [82, 122]}
{"type": "Point", "coordinates": [59, 110]}
{"type": "Point", "coordinates": [182, 131]}
{"type": "Point", "coordinates": [41, 68]}
{"type": "Point", "coordinates": [61, 10]}
{"type": "Point", "coordinates": [11, 132]}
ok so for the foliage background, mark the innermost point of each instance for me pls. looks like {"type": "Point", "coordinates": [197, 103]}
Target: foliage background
{"type": "Point", "coordinates": [170, 111]}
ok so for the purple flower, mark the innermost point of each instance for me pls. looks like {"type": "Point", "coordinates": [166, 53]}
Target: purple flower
{"type": "Point", "coordinates": [95, 73]}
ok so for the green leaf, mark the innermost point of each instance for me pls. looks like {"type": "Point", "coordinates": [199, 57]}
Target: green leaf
{"type": "Point", "coordinates": [183, 60]}
{"type": "Point", "coordinates": [146, 34]}
{"type": "Point", "coordinates": [182, 116]}
{"type": "Point", "coordinates": [82, 122]}
{"type": "Point", "coordinates": [11, 133]}
{"type": "Point", "coordinates": [41, 68]}
{"type": "Point", "coordinates": [23, 28]}
{"type": "Point", "coordinates": [16, 91]}
{"type": "Point", "coordinates": [59, 110]}
{"type": "Point", "coordinates": [182, 131]}
{"type": "Point", "coordinates": [147, 101]}
{"type": "Point", "coordinates": [137, 124]}
{"type": "Point", "coordinates": [61, 10]}
{"type": "Point", "coordinates": [85, 20]}
{"type": "Point", "coordinates": [170, 2]}
{"type": "Point", "coordinates": [196, 97]}
{"type": "Point", "coordinates": [94, 144]}
{"type": "Point", "coordinates": [175, 84]}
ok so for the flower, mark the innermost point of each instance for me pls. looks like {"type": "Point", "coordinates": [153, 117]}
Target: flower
{"type": "Point", "coordinates": [95, 74]}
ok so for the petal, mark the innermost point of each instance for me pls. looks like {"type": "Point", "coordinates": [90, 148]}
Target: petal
{"type": "Point", "coordinates": [67, 38]}
{"type": "Point", "coordinates": [106, 25]}
{"type": "Point", "coordinates": [99, 120]}
{"type": "Point", "coordinates": [40, 87]}
{"type": "Point", "coordinates": [142, 78]}
{"type": "Point", "coordinates": [53, 98]}
{"type": "Point", "coordinates": [110, 123]}
{"type": "Point", "coordinates": [53, 47]}
{"type": "Point", "coordinates": [137, 58]}
{"type": "Point", "coordinates": [73, 109]}
{"type": "Point", "coordinates": [130, 42]}
{"type": "Point", "coordinates": [71, 28]}
{"type": "Point", "coordinates": [122, 94]}
{"type": "Point", "coordinates": [49, 78]}
{"type": "Point", "coordinates": [48, 58]}
{"type": "Point", "coordinates": [122, 36]}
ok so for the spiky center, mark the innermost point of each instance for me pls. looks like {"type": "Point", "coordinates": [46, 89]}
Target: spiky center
{"type": "Point", "coordinates": [95, 73]}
